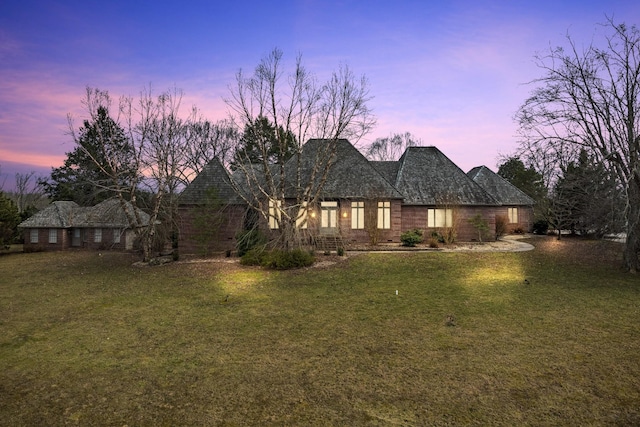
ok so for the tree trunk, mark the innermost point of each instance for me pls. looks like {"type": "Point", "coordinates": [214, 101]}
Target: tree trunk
{"type": "Point", "coordinates": [632, 245]}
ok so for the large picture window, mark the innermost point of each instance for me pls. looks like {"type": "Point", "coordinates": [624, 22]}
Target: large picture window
{"type": "Point", "coordinates": [384, 215]}
{"type": "Point", "coordinates": [439, 218]}
{"type": "Point", "coordinates": [357, 215]}
{"type": "Point", "coordinates": [513, 215]}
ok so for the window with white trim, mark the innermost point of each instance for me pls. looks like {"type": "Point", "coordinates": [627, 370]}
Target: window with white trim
{"type": "Point", "coordinates": [33, 235]}
{"type": "Point", "coordinates": [116, 235]}
{"type": "Point", "coordinates": [384, 215]}
{"type": "Point", "coordinates": [97, 235]}
{"type": "Point", "coordinates": [439, 218]}
{"type": "Point", "coordinates": [275, 210]}
{"type": "Point", "coordinates": [357, 215]}
{"type": "Point", "coordinates": [53, 235]}
{"type": "Point", "coordinates": [513, 215]}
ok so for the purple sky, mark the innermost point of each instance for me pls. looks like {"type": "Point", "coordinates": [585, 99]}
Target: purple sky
{"type": "Point", "coordinates": [451, 73]}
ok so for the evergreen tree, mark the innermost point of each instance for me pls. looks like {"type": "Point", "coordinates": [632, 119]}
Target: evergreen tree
{"type": "Point", "coordinates": [262, 140]}
{"type": "Point", "coordinates": [80, 179]}
{"type": "Point", "coordinates": [9, 220]}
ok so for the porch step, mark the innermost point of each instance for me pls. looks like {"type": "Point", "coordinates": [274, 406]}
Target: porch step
{"type": "Point", "coordinates": [328, 243]}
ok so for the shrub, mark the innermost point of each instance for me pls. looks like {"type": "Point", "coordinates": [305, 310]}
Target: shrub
{"type": "Point", "coordinates": [449, 235]}
{"type": "Point", "coordinates": [411, 238]}
{"type": "Point", "coordinates": [254, 256]}
{"type": "Point", "coordinates": [501, 226]}
{"type": "Point", "coordinates": [480, 224]}
{"type": "Point", "coordinates": [249, 239]}
{"type": "Point", "coordinates": [541, 226]}
{"type": "Point", "coordinates": [434, 243]}
{"type": "Point", "coordinates": [285, 260]}
{"type": "Point", "coordinates": [340, 251]}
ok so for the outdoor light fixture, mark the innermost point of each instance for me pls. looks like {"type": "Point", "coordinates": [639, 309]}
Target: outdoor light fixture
{"type": "Point", "coordinates": [313, 214]}
{"type": "Point", "coordinates": [344, 214]}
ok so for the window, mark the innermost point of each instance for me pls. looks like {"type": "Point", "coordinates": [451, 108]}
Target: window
{"type": "Point", "coordinates": [513, 215]}
{"type": "Point", "coordinates": [53, 235]}
{"type": "Point", "coordinates": [275, 209]}
{"type": "Point", "coordinates": [384, 215]}
{"type": "Point", "coordinates": [357, 215]}
{"type": "Point", "coordinates": [33, 235]}
{"type": "Point", "coordinates": [438, 218]}
{"type": "Point", "coordinates": [97, 236]}
{"type": "Point", "coordinates": [301, 220]}
{"type": "Point", "coordinates": [116, 235]}
{"type": "Point", "coordinates": [328, 214]}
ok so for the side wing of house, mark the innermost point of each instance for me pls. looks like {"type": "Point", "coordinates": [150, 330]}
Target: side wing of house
{"type": "Point", "coordinates": [516, 206]}
{"type": "Point", "coordinates": [210, 214]}
{"type": "Point", "coordinates": [49, 229]}
{"type": "Point", "coordinates": [439, 197]}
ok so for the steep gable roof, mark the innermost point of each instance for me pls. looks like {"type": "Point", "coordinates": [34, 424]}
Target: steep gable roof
{"type": "Point", "coordinates": [501, 189]}
{"type": "Point", "coordinates": [351, 175]}
{"type": "Point", "coordinates": [427, 177]}
{"type": "Point", "coordinates": [213, 175]}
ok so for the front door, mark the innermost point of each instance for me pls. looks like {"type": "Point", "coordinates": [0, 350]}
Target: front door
{"type": "Point", "coordinates": [328, 218]}
{"type": "Point", "coordinates": [76, 238]}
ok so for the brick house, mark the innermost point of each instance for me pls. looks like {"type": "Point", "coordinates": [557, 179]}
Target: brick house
{"type": "Point", "coordinates": [515, 205]}
{"type": "Point", "coordinates": [361, 201]}
{"type": "Point", "coordinates": [64, 224]}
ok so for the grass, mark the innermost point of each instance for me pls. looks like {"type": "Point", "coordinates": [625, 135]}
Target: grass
{"type": "Point", "coordinates": [88, 339]}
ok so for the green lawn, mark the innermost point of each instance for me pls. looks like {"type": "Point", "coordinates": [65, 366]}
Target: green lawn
{"type": "Point", "coordinates": [89, 339]}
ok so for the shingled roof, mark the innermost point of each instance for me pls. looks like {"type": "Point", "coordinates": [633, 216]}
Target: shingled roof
{"type": "Point", "coordinates": [351, 175]}
{"type": "Point", "coordinates": [498, 187]}
{"type": "Point", "coordinates": [213, 175]}
{"type": "Point", "coordinates": [427, 177]}
{"type": "Point", "coordinates": [66, 214]}
{"type": "Point", "coordinates": [57, 215]}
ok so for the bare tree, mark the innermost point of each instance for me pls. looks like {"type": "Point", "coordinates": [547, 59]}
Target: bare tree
{"type": "Point", "coordinates": [206, 141]}
{"type": "Point", "coordinates": [391, 147]}
{"type": "Point", "coordinates": [295, 104]}
{"type": "Point", "coordinates": [590, 99]}
{"type": "Point", "coordinates": [27, 193]}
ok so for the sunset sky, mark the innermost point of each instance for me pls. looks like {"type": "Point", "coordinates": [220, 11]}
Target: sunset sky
{"type": "Point", "coordinates": [452, 73]}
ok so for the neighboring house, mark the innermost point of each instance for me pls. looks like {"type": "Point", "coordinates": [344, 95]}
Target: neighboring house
{"type": "Point", "coordinates": [361, 201]}
{"type": "Point", "coordinates": [65, 224]}
{"type": "Point", "coordinates": [517, 207]}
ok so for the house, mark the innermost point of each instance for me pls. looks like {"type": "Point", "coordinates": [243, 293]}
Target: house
{"type": "Point", "coordinates": [65, 224]}
{"type": "Point", "coordinates": [516, 206]}
{"type": "Point", "coordinates": [360, 201]}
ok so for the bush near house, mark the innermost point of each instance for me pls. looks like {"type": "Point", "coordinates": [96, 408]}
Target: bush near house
{"type": "Point", "coordinates": [411, 238]}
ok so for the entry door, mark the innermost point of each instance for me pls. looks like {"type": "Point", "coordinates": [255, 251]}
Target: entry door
{"type": "Point", "coordinates": [76, 238]}
{"type": "Point", "coordinates": [328, 217]}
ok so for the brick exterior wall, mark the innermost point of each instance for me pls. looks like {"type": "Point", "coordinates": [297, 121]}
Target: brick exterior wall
{"type": "Point", "coordinates": [65, 240]}
{"type": "Point", "coordinates": [189, 240]}
{"type": "Point", "coordinates": [416, 217]}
